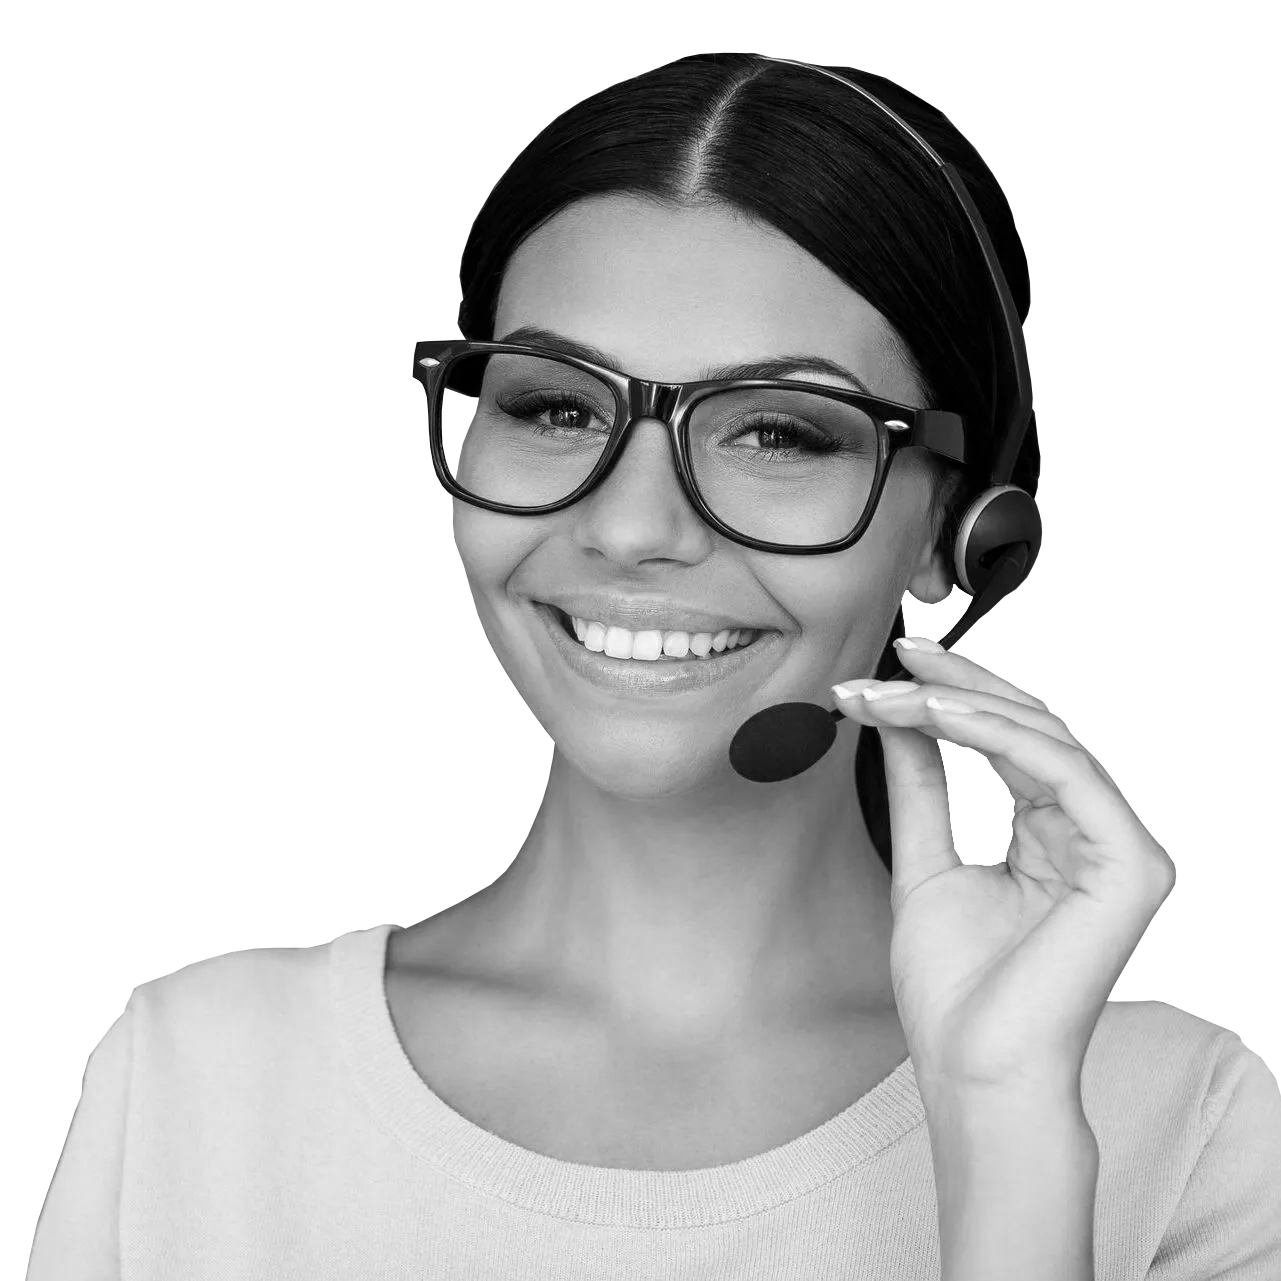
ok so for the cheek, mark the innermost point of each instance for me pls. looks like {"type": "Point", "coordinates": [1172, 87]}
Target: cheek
{"type": "Point", "coordinates": [491, 545]}
{"type": "Point", "coordinates": [845, 616]}
{"type": "Point", "coordinates": [492, 548]}
{"type": "Point", "coordinates": [845, 603]}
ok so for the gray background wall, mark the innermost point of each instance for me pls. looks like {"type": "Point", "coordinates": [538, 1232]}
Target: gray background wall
{"type": "Point", "coordinates": [260, 709]}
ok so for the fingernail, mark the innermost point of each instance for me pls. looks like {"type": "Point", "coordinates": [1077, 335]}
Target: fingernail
{"type": "Point", "coordinates": [850, 688]}
{"type": "Point", "coordinates": [948, 705]}
{"type": "Point", "coordinates": [920, 642]}
{"type": "Point", "coordinates": [888, 689]}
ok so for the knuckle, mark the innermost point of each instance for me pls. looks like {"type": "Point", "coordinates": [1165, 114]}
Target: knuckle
{"type": "Point", "coordinates": [1158, 872]}
{"type": "Point", "coordinates": [1061, 725]}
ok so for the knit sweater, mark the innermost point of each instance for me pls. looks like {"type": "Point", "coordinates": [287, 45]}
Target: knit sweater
{"type": "Point", "coordinates": [255, 1116]}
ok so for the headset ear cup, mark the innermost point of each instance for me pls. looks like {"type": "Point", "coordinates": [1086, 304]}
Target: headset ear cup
{"type": "Point", "coordinates": [1002, 516]}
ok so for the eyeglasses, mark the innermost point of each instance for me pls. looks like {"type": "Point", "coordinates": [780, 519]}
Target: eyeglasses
{"type": "Point", "coordinates": [776, 465]}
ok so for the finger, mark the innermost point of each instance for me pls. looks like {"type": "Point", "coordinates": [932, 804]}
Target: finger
{"type": "Point", "coordinates": [951, 668]}
{"type": "Point", "coordinates": [1063, 771]}
{"type": "Point", "coordinates": [1072, 960]}
{"type": "Point", "coordinates": [1047, 847]}
{"type": "Point", "coordinates": [920, 815]}
{"type": "Point", "coordinates": [957, 670]}
{"type": "Point", "coordinates": [905, 704]}
{"type": "Point", "coordinates": [916, 793]}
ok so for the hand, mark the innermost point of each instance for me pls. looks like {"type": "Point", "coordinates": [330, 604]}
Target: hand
{"type": "Point", "coordinates": [1001, 972]}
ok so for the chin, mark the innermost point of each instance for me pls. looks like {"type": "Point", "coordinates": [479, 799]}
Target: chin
{"type": "Point", "coordinates": [648, 770]}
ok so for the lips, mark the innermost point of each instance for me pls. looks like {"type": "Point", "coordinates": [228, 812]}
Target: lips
{"type": "Point", "coordinates": [652, 644]}
{"type": "Point", "coordinates": [663, 678]}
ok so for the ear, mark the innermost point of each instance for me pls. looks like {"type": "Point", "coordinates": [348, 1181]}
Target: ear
{"type": "Point", "coordinates": [931, 580]}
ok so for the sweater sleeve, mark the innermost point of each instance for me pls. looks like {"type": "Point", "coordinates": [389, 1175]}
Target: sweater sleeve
{"type": "Point", "coordinates": [1227, 1226]}
{"type": "Point", "coordinates": [77, 1233]}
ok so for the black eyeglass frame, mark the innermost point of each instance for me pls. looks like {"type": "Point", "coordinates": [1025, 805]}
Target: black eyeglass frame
{"type": "Point", "coordinates": [897, 427]}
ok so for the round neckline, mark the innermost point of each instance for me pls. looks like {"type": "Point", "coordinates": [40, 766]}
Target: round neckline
{"type": "Point", "coordinates": [608, 1195]}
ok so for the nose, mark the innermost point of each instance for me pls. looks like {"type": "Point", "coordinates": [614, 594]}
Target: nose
{"type": "Point", "coordinates": [639, 511]}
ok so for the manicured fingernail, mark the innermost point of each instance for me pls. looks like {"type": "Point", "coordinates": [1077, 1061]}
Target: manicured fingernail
{"type": "Point", "coordinates": [947, 705]}
{"type": "Point", "coordinates": [851, 688]}
{"type": "Point", "coordinates": [888, 689]}
{"type": "Point", "coordinates": [919, 642]}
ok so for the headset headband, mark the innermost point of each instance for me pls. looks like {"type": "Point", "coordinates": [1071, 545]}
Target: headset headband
{"type": "Point", "coordinates": [1020, 408]}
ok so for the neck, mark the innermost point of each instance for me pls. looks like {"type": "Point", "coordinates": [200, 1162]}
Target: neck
{"type": "Point", "coordinates": [687, 916]}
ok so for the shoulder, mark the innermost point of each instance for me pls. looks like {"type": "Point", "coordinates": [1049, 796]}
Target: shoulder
{"type": "Point", "coordinates": [1154, 1071]}
{"type": "Point", "coordinates": [256, 975]}
{"type": "Point", "coordinates": [1188, 1122]}
{"type": "Point", "coordinates": [255, 994]}
{"type": "Point", "coordinates": [1153, 1042]}
{"type": "Point", "coordinates": [257, 1021]}
{"type": "Point", "coordinates": [1142, 1050]}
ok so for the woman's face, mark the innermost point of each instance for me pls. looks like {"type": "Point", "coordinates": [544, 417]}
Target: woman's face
{"type": "Point", "coordinates": [667, 293]}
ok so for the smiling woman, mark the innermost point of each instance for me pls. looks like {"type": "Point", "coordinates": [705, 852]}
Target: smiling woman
{"type": "Point", "coordinates": [702, 1027]}
{"type": "Point", "coordinates": [605, 554]}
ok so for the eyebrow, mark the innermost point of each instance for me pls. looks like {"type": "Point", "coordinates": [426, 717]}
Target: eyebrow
{"type": "Point", "coordinates": [774, 367]}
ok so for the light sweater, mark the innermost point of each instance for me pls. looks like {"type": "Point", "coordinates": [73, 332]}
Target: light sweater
{"type": "Point", "coordinates": [255, 1116]}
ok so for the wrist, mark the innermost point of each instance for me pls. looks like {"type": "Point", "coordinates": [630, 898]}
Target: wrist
{"type": "Point", "coordinates": [994, 1111]}
{"type": "Point", "coordinates": [1015, 1176]}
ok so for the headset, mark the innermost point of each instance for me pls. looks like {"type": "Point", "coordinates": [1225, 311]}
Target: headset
{"type": "Point", "coordinates": [996, 542]}
{"type": "Point", "coordinates": [997, 539]}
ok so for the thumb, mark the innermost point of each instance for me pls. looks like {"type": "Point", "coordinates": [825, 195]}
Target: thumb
{"type": "Point", "coordinates": [920, 817]}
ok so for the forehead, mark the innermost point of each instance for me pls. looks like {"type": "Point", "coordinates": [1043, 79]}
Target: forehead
{"type": "Point", "coordinates": [668, 291]}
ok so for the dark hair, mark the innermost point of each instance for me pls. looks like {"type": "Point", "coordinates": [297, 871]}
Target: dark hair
{"type": "Point", "coordinates": [812, 158]}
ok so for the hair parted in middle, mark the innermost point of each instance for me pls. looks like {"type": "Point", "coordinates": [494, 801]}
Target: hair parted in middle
{"type": "Point", "coordinates": [815, 160]}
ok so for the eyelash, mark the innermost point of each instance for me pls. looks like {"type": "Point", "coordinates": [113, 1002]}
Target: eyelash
{"type": "Point", "coordinates": [817, 442]}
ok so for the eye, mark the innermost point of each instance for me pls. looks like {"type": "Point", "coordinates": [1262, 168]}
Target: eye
{"type": "Point", "coordinates": [788, 436]}
{"type": "Point", "coordinates": [562, 411]}
{"type": "Point", "coordinates": [782, 437]}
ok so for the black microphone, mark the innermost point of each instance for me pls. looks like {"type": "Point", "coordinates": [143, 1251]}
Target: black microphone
{"type": "Point", "coordinates": [785, 739]}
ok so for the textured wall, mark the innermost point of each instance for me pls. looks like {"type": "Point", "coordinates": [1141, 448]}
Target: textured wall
{"type": "Point", "coordinates": [260, 709]}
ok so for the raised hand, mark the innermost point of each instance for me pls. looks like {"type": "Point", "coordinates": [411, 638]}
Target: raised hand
{"type": "Point", "coordinates": [1000, 972]}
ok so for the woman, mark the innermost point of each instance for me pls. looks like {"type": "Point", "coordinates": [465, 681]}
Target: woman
{"type": "Point", "coordinates": [703, 1026]}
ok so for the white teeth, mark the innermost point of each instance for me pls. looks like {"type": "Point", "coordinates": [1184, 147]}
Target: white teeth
{"type": "Point", "coordinates": [618, 642]}
{"type": "Point", "coordinates": [676, 644]}
{"type": "Point", "coordinates": [647, 646]}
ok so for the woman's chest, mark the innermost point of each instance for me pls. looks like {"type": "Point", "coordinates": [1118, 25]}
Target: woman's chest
{"type": "Point", "coordinates": [566, 1087]}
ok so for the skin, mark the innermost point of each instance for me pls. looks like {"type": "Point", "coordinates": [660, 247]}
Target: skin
{"type": "Point", "coordinates": [699, 926]}
{"type": "Point", "coordinates": [665, 894]}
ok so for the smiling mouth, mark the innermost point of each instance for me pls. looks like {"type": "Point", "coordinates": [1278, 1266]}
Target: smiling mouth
{"type": "Point", "coordinates": [675, 646]}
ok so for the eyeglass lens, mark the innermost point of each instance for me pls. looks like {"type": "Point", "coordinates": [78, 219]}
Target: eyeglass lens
{"type": "Point", "coordinates": [782, 466]}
